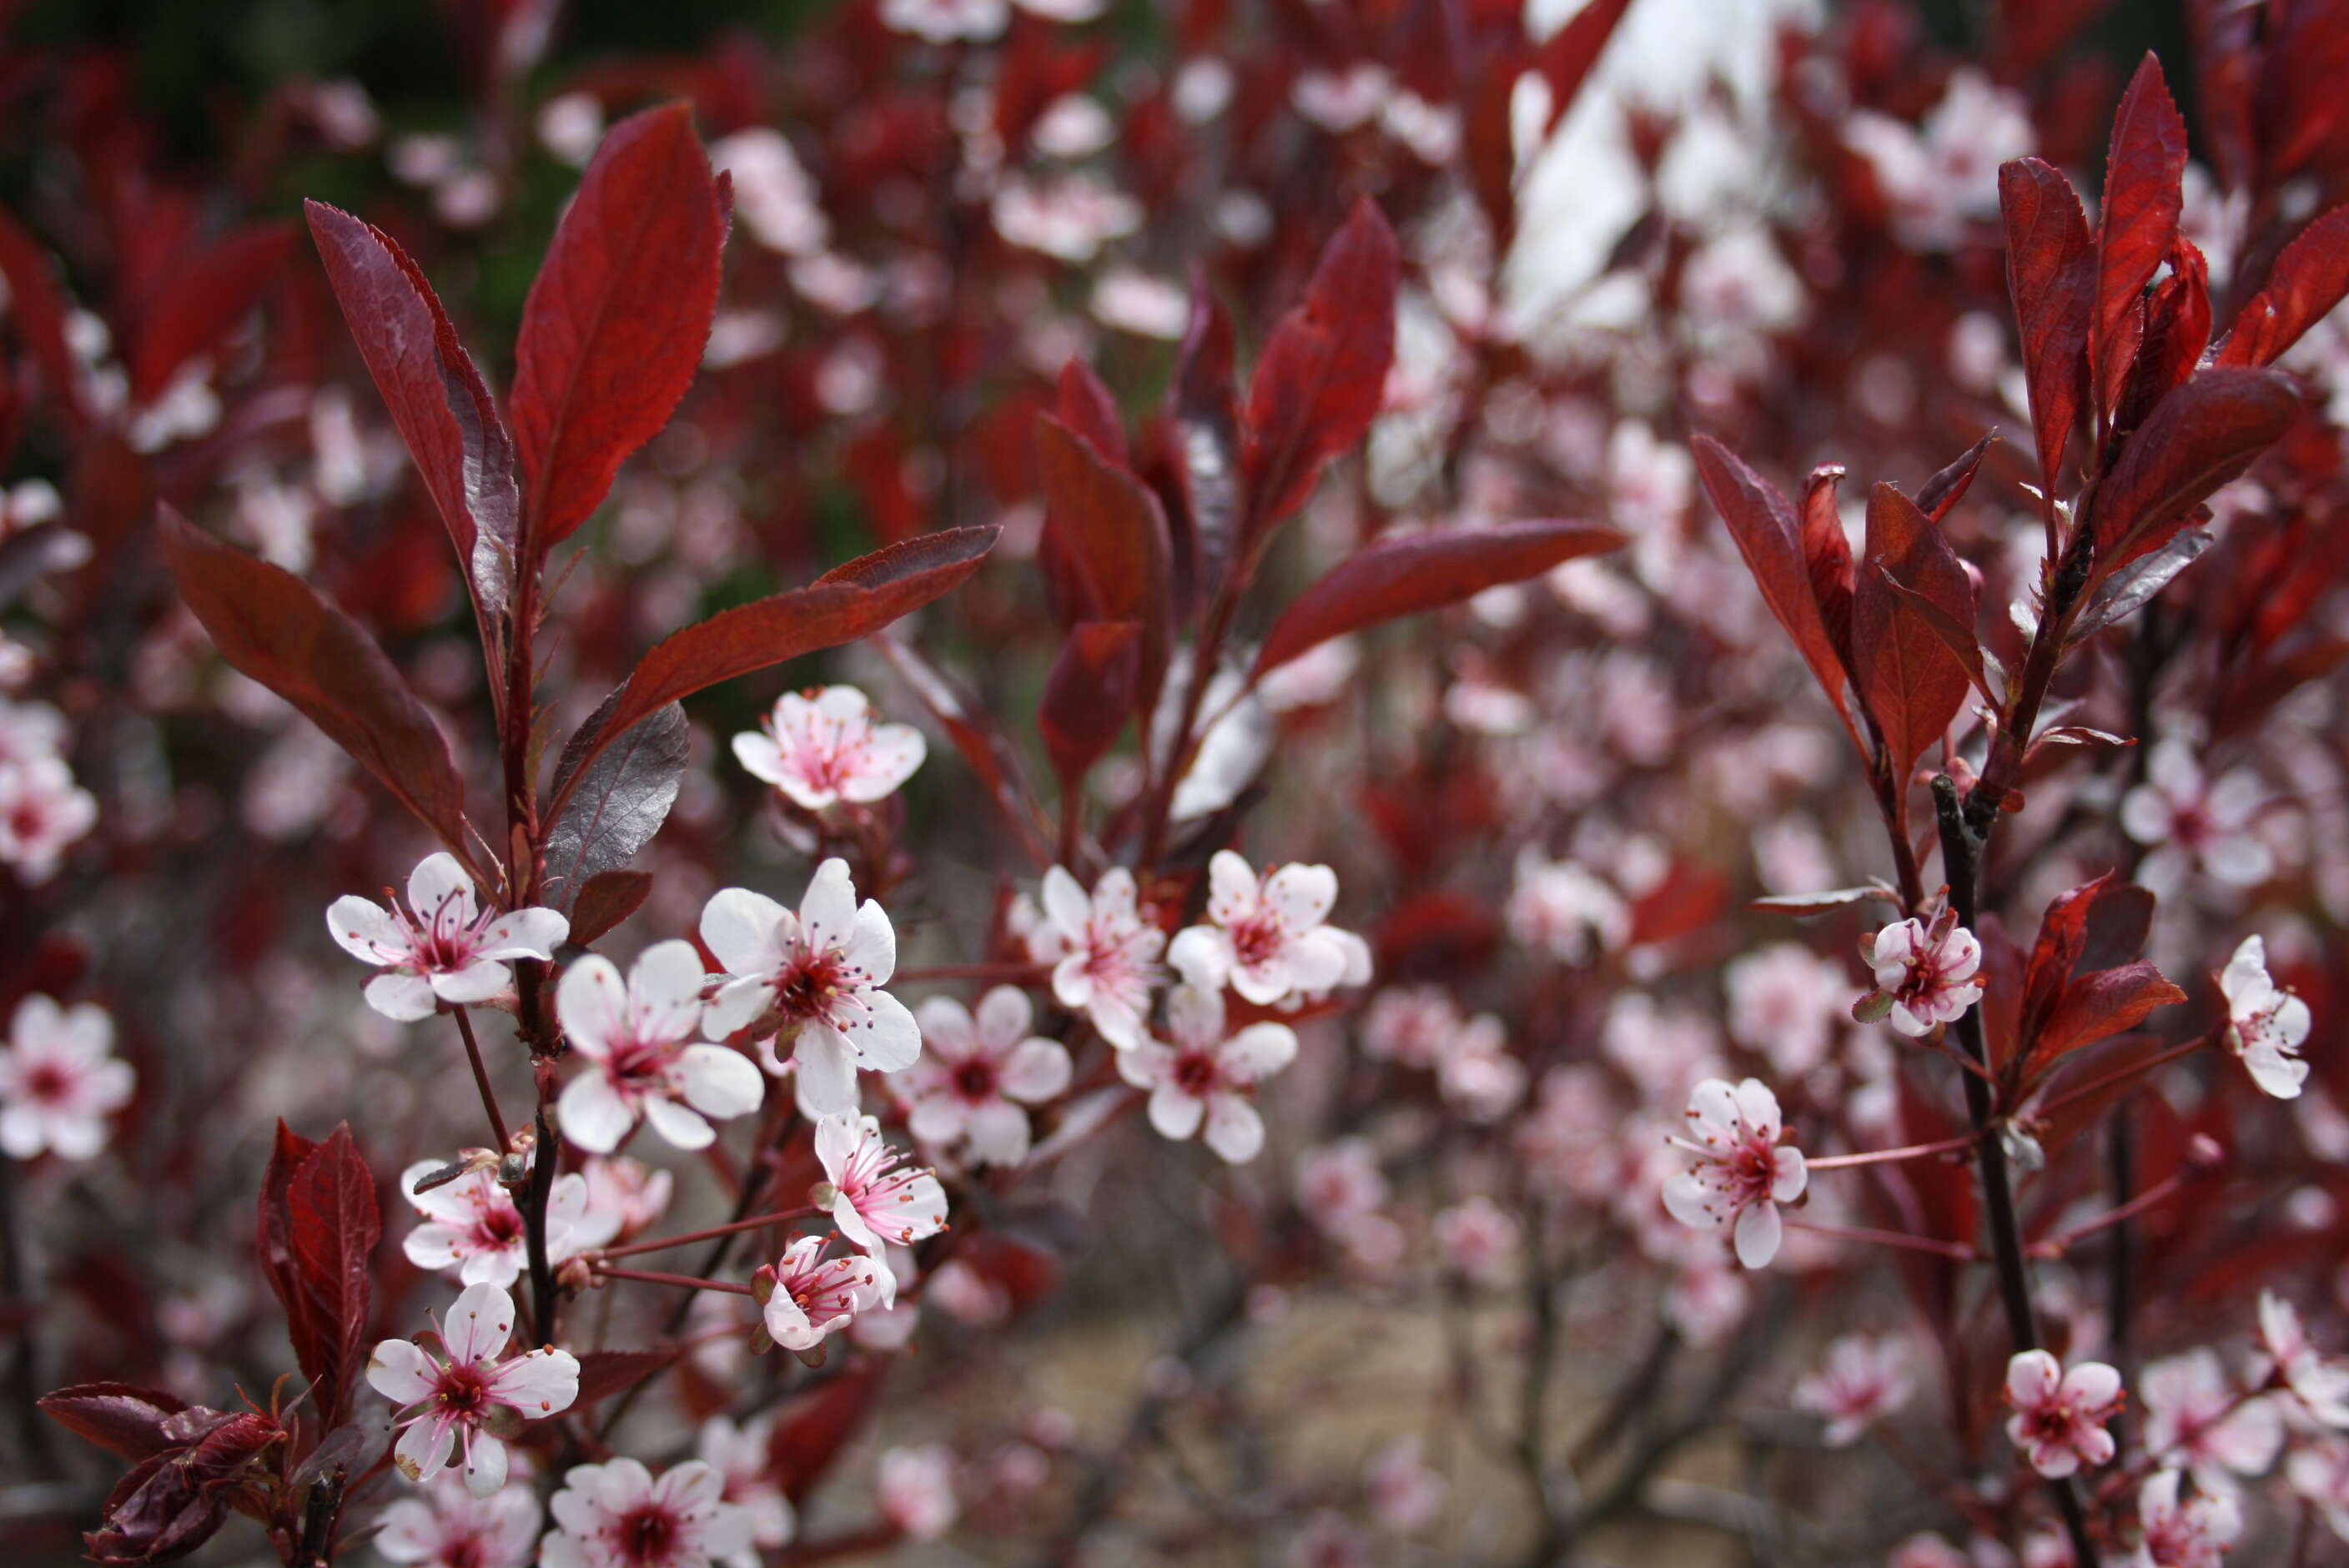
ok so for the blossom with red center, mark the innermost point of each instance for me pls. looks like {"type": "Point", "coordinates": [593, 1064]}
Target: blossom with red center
{"type": "Point", "coordinates": [819, 970]}
{"type": "Point", "coordinates": [2194, 1533]}
{"type": "Point", "coordinates": [1267, 941]}
{"type": "Point", "coordinates": [1207, 1075]}
{"type": "Point", "coordinates": [1476, 1239]}
{"type": "Point", "coordinates": [443, 946]}
{"type": "Point", "coordinates": [805, 1296]}
{"type": "Point", "coordinates": [473, 1225]}
{"type": "Point", "coordinates": [2266, 1025]}
{"type": "Point", "coordinates": [977, 1073]}
{"type": "Point", "coordinates": [873, 1201]}
{"type": "Point", "coordinates": [1924, 975]}
{"type": "Point", "coordinates": [1737, 1171]}
{"type": "Point", "coordinates": [42, 813]}
{"type": "Point", "coordinates": [739, 1455]}
{"type": "Point", "coordinates": [1863, 1380]}
{"type": "Point", "coordinates": [618, 1515]}
{"type": "Point", "coordinates": [1104, 954]}
{"type": "Point", "coordinates": [59, 1080]}
{"type": "Point", "coordinates": [639, 1035]}
{"type": "Point", "coordinates": [917, 1490]}
{"type": "Point", "coordinates": [2196, 1419]}
{"type": "Point", "coordinates": [2318, 1381]}
{"type": "Point", "coordinates": [2059, 1416]}
{"type": "Point", "coordinates": [476, 1397]}
{"type": "Point", "coordinates": [2187, 821]}
{"type": "Point", "coordinates": [822, 746]}
{"type": "Point", "coordinates": [444, 1525]}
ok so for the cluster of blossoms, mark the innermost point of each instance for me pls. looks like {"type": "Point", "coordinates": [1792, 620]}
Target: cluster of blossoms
{"type": "Point", "coordinates": [42, 811]}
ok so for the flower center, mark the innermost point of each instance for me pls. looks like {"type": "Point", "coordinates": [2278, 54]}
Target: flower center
{"type": "Point", "coordinates": [48, 1083]}
{"type": "Point", "coordinates": [1258, 941]}
{"type": "Point", "coordinates": [974, 1079]}
{"type": "Point", "coordinates": [463, 1391]}
{"type": "Point", "coordinates": [647, 1536]}
{"type": "Point", "coordinates": [1196, 1073]}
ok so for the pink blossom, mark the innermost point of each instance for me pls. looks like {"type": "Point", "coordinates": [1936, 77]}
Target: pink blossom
{"type": "Point", "coordinates": [1476, 1239]}
{"type": "Point", "coordinates": [977, 1073]}
{"type": "Point", "coordinates": [740, 1456]}
{"type": "Point", "coordinates": [2319, 1473]}
{"type": "Point", "coordinates": [1783, 1000]}
{"type": "Point", "coordinates": [443, 947]}
{"type": "Point", "coordinates": [444, 1525]}
{"type": "Point", "coordinates": [2195, 1534]}
{"type": "Point", "coordinates": [1068, 216]}
{"type": "Point", "coordinates": [1409, 1025]}
{"type": "Point", "coordinates": [2059, 1416]}
{"type": "Point", "coordinates": [806, 1297]}
{"type": "Point", "coordinates": [473, 1225]}
{"type": "Point", "coordinates": [42, 813]}
{"type": "Point", "coordinates": [59, 1080]}
{"type": "Point", "coordinates": [1475, 1073]}
{"type": "Point", "coordinates": [822, 746]}
{"type": "Point", "coordinates": [1267, 939]}
{"type": "Point", "coordinates": [1104, 954]}
{"type": "Point", "coordinates": [1207, 1076]}
{"type": "Point", "coordinates": [873, 1201]}
{"type": "Point", "coordinates": [1405, 1495]}
{"type": "Point", "coordinates": [917, 1490]}
{"type": "Point", "coordinates": [1339, 1182]}
{"type": "Point", "coordinates": [779, 205]}
{"type": "Point", "coordinates": [1924, 976]}
{"type": "Point", "coordinates": [2319, 1382]}
{"type": "Point", "coordinates": [625, 1197]}
{"type": "Point", "coordinates": [2195, 1420]}
{"type": "Point", "coordinates": [819, 970]}
{"type": "Point", "coordinates": [635, 1035]}
{"type": "Point", "coordinates": [2186, 821]}
{"type": "Point", "coordinates": [1864, 1380]}
{"type": "Point", "coordinates": [1737, 1171]}
{"type": "Point", "coordinates": [476, 1397]}
{"type": "Point", "coordinates": [2266, 1025]}
{"type": "Point", "coordinates": [1559, 908]}
{"type": "Point", "coordinates": [616, 1515]}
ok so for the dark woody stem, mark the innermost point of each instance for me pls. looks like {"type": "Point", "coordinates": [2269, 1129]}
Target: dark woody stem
{"type": "Point", "coordinates": [482, 1082]}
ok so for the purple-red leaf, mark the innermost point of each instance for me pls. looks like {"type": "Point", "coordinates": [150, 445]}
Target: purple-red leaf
{"type": "Point", "coordinates": [1566, 56]}
{"type": "Point", "coordinates": [843, 604]}
{"type": "Point", "coordinates": [1939, 495]}
{"type": "Point", "coordinates": [1911, 679]}
{"type": "Point", "coordinates": [2307, 280]}
{"type": "Point", "coordinates": [617, 319]}
{"type": "Point", "coordinates": [327, 1224]}
{"type": "Point", "coordinates": [2196, 438]}
{"type": "Point", "coordinates": [274, 627]}
{"type": "Point", "coordinates": [436, 396]}
{"type": "Point", "coordinates": [204, 300]}
{"type": "Point", "coordinates": [2050, 271]}
{"type": "Point", "coordinates": [1089, 696]}
{"type": "Point", "coordinates": [1323, 376]}
{"type": "Point", "coordinates": [1206, 419]}
{"type": "Point", "coordinates": [615, 804]}
{"type": "Point", "coordinates": [1767, 536]}
{"type": "Point", "coordinates": [37, 308]}
{"type": "Point", "coordinates": [1405, 574]}
{"type": "Point", "coordinates": [2139, 219]}
{"type": "Point", "coordinates": [1113, 535]}
{"type": "Point", "coordinates": [604, 1373]}
{"type": "Point", "coordinates": [1827, 555]}
{"type": "Point", "coordinates": [605, 900]}
{"type": "Point", "coordinates": [124, 1420]}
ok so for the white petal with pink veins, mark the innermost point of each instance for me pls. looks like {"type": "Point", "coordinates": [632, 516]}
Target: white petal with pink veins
{"type": "Point", "coordinates": [1757, 1235]}
{"type": "Point", "coordinates": [423, 1449]}
{"type": "Point", "coordinates": [892, 756]}
{"type": "Point", "coordinates": [1789, 1175]}
{"type": "Point", "coordinates": [737, 1002]}
{"type": "Point", "coordinates": [592, 1004]}
{"type": "Point", "coordinates": [1713, 1118]}
{"type": "Point", "coordinates": [1258, 1052]}
{"type": "Point", "coordinates": [439, 885]}
{"type": "Point", "coordinates": [739, 927]}
{"type": "Point", "coordinates": [486, 1465]}
{"type": "Point", "coordinates": [760, 755]}
{"type": "Point", "coordinates": [366, 931]}
{"type": "Point", "coordinates": [1065, 901]}
{"type": "Point", "coordinates": [1688, 1199]}
{"type": "Point", "coordinates": [526, 934]}
{"type": "Point", "coordinates": [592, 1114]}
{"type": "Point", "coordinates": [1003, 1017]}
{"type": "Point", "coordinates": [403, 998]}
{"type": "Point", "coordinates": [476, 982]}
{"type": "Point", "coordinates": [1232, 892]}
{"type": "Point", "coordinates": [678, 1126]}
{"type": "Point", "coordinates": [665, 988]}
{"type": "Point", "coordinates": [1759, 1107]}
{"type": "Point", "coordinates": [1302, 895]}
{"type": "Point", "coordinates": [825, 1072]}
{"type": "Point", "coordinates": [946, 1028]}
{"type": "Point", "coordinates": [893, 1041]}
{"type": "Point", "coordinates": [478, 1323]}
{"type": "Point", "coordinates": [2032, 1377]}
{"type": "Point", "coordinates": [998, 1134]}
{"type": "Point", "coordinates": [829, 909]}
{"type": "Point", "coordinates": [1234, 1130]}
{"type": "Point", "coordinates": [938, 1118]}
{"type": "Point", "coordinates": [1174, 1114]}
{"type": "Point", "coordinates": [871, 944]}
{"type": "Point", "coordinates": [1035, 1070]}
{"type": "Point", "coordinates": [539, 1384]}
{"type": "Point", "coordinates": [719, 1082]}
{"type": "Point", "coordinates": [400, 1372]}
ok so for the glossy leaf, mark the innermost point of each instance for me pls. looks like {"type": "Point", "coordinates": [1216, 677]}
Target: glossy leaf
{"type": "Point", "coordinates": [1323, 376]}
{"type": "Point", "coordinates": [2128, 590]}
{"type": "Point", "coordinates": [2196, 438]}
{"type": "Point", "coordinates": [1911, 680]}
{"type": "Point", "coordinates": [1404, 574]}
{"type": "Point", "coordinates": [1114, 535]}
{"type": "Point", "coordinates": [605, 900]}
{"type": "Point", "coordinates": [615, 804]}
{"type": "Point", "coordinates": [843, 604]}
{"type": "Point", "coordinates": [2139, 219]}
{"type": "Point", "coordinates": [2308, 279]}
{"type": "Point", "coordinates": [437, 398]}
{"type": "Point", "coordinates": [1763, 526]}
{"type": "Point", "coordinates": [1089, 696]}
{"type": "Point", "coordinates": [1827, 555]}
{"type": "Point", "coordinates": [274, 627]}
{"type": "Point", "coordinates": [1940, 494]}
{"type": "Point", "coordinates": [318, 1233]}
{"type": "Point", "coordinates": [616, 323]}
{"type": "Point", "coordinates": [1207, 421]}
{"type": "Point", "coordinates": [604, 1373]}
{"type": "Point", "coordinates": [121, 1419]}
{"type": "Point", "coordinates": [2051, 272]}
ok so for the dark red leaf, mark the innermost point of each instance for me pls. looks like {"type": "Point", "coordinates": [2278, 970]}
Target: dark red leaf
{"type": "Point", "coordinates": [2098, 1005]}
{"type": "Point", "coordinates": [274, 627]}
{"type": "Point", "coordinates": [1939, 495]}
{"type": "Point", "coordinates": [436, 396]}
{"type": "Point", "coordinates": [843, 604]}
{"type": "Point", "coordinates": [1086, 408]}
{"type": "Point", "coordinates": [1206, 419]}
{"type": "Point", "coordinates": [1566, 56]}
{"type": "Point", "coordinates": [1089, 696]}
{"type": "Point", "coordinates": [2176, 331]}
{"type": "Point", "coordinates": [811, 1430]}
{"type": "Point", "coordinates": [1827, 555]}
{"type": "Point", "coordinates": [1911, 680]}
{"type": "Point", "coordinates": [203, 299]}
{"type": "Point", "coordinates": [2051, 273]}
{"type": "Point", "coordinates": [331, 1227]}
{"type": "Point", "coordinates": [1405, 574]}
{"type": "Point", "coordinates": [604, 1373]}
{"type": "Point", "coordinates": [605, 900]}
{"type": "Point", "coordinates": [2139, 219]}
{"type": "Point", "coordinates": [1950, 633]}
{"type": "Point", "coordinates": [37, 308]}
{"type": "Point", "coordinates": [171, 1502]}
{"type": "Point", "coordinates": [2307, 280]}
{"type": "Point", "coordinates": [1114, 533]}
{"type": "Point", "coordinates": [1763, 526]}
{"type": "Point", "coordinates": [2196, 438]}
{"type": "Point", "coordinates": [2129, 589]}
{"type": "Point", "coordinates": [1323, 373]}
{"type": "Point", "coordinates": [617, 319]}
{"type": "Point", "coordinates": [124, 1420]}
{"type": "Point", "coordinates": [615, 804]}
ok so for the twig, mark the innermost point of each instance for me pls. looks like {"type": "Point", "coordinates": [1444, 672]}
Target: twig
{"type": "Point", "coordinates": [498, 1140]}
